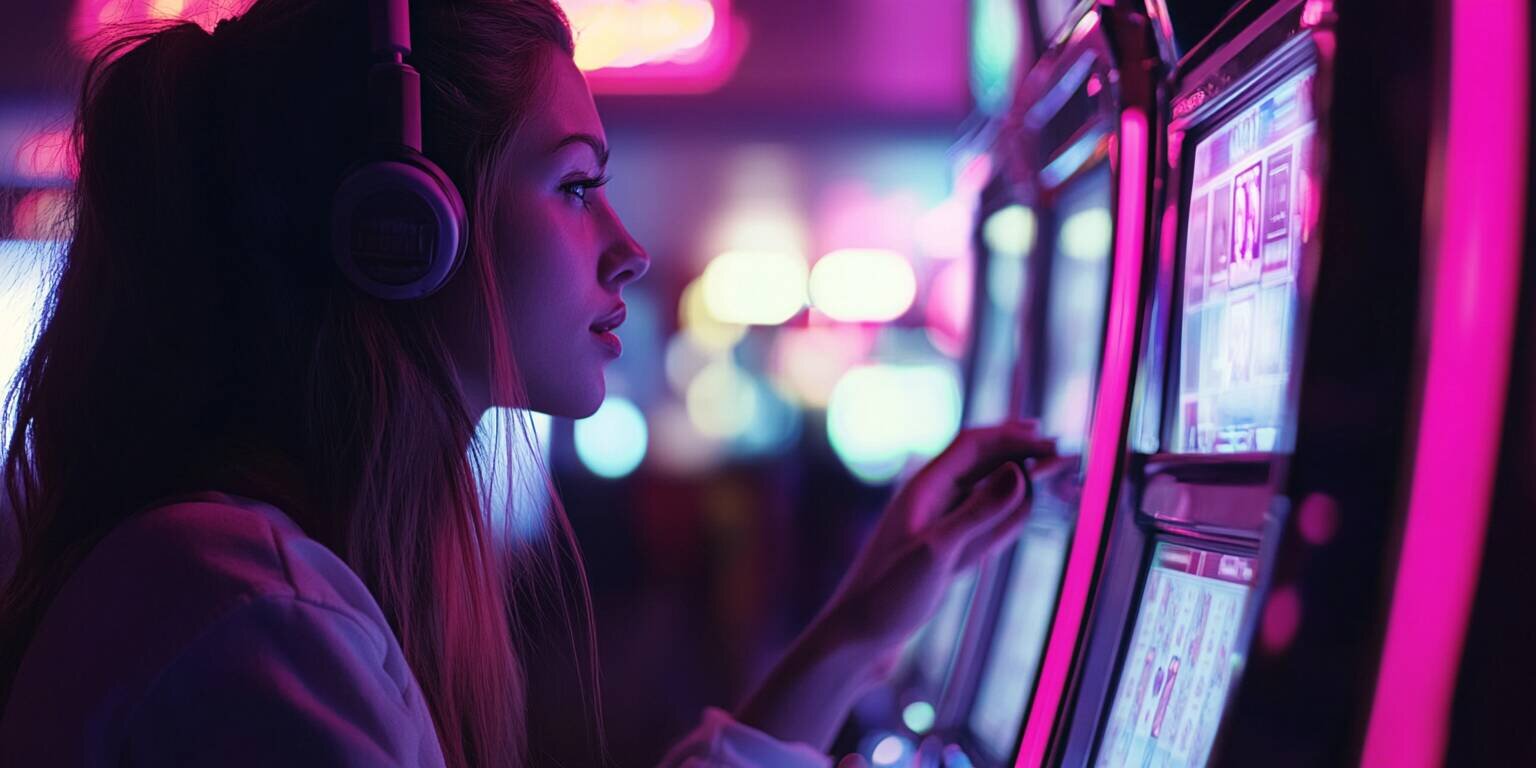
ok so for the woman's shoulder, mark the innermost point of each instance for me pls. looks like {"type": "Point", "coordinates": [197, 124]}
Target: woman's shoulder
{"type": "Point", "coordinates": [204, 553]}
{"type": "Point", "coordinates": [200, 611]}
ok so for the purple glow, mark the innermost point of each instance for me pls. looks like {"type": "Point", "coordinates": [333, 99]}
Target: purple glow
{"type": "Point", "coordinates": [1475, 277]}
{"type": "Point", "coordinates": [1108, 432]}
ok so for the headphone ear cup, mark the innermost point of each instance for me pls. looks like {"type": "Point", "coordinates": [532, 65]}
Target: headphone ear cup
{"type": "Point", "coordinates": [398, 227]}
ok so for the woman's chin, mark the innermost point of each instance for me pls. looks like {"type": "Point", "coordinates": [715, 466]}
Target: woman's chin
{"type": "Point", "coordinates": [570, 402]}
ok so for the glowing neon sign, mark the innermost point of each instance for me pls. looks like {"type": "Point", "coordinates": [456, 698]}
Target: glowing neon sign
{"type": "Point", "coordinates": [656, 46]}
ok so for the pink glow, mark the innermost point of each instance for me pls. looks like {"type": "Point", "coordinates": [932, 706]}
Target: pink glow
{"type": "Point", "coordinates": [1315, 10]}
{"type": "Point", "coordinates": [1282, 616]}
{"type": "Point", "coordinates": [1317, 519]}
{"type": "Point", "coordinates": [46, 156]}
{"type": "Point", "coordinates": [1106, 442]}
{"type": "Point", "coordinates": [92, 17]}
{"type": "Point", "coordinates": [948, 308]}
{"type": "Point", "coordinates": [1476, 271]}
{"type": "Point", "coordinates": [853, 215]}
{"type": "Point", "coordinates": [701, 69]}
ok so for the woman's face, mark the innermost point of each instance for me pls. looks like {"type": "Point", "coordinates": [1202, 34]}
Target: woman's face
{"type": "Point", "coordinates": [562, 255]}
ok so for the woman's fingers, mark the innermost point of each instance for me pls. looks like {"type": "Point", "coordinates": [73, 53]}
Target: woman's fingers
{"type": "Point", "coordinates": [999, 532]}
{"type": "Point", "coordinates": [1005, 530]}
{"type": "Point", "coordinates": [982, 447]}
{"type": "Point", "coordinates": [949, 477]}
{"type": "Point", "coordinates": [994, 498]}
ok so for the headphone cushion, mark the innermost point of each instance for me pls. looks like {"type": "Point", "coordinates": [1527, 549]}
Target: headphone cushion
{"type": "Point", "coordinates": [398, 227]}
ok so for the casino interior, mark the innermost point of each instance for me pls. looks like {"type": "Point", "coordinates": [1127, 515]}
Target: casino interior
{"type": "Point", "coordinates": [1298, 411]}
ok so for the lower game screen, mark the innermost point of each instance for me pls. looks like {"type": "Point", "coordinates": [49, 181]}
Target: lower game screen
{"type": "Point", "coordinates": [935, 644]}
{"type": "Point", "coordinates": [1074, 308]}
{"type": "Point", "coordinates": [1019, 637]}
{"type": "Point", "coordinates": [1174, 677]}
{"type": "Point", "coordinates": [1251, 207]}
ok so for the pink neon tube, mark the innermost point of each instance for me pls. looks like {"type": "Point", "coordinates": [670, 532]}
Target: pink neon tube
{"type": "Point", "coordinates": [1107, 441]}
{"type": "Point", "coordinates": [1476, 274]}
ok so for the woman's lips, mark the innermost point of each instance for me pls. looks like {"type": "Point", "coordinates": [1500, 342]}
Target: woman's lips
{"type": "Point", "coordinates": [604, 327]}
{"type": "Point", "coordinates": [610, 341]}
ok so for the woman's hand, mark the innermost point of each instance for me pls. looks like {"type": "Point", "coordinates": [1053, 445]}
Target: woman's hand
{"type": "Point", "coordinates": [966, 503]}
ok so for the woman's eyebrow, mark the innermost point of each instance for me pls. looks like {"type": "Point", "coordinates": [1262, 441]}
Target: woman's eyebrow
{"type": "Point", "coordinates": [598, 147]}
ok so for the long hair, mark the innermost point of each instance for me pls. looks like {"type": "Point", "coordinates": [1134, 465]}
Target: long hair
{"type": "Point", "coordinates": [198, 336]}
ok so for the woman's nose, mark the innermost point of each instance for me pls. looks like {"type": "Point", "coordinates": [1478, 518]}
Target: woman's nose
{"type": "Point", "coordinates": [624, 262]}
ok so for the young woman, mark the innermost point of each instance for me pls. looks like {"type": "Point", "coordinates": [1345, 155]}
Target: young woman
{"type": "Point", "coordinates": [251, 530]}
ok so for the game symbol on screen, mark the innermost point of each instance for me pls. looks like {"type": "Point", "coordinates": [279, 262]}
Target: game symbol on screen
{"type": "Point", "coordinates": [1237, 351]}
{"type": "Point", "coordinates": [1277, 212]}
{"type": "Point", "coordinates": [1194, 253]}
{"type": "Point", "coordinates": [1162, 702]}
{"type": "Point", "coordinates": [1246, 214]}
{"type": "Point", "coordinates": [1221, 236]}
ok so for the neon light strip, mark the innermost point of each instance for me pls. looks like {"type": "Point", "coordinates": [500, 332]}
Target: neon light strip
{"type": "Point", "coordinates": [1108, 433]}
{"type": "Point", "coordinates": [1476, 275]}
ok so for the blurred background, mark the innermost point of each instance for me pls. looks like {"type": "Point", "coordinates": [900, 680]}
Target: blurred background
{"type": "Point", "coordinates": [805, 175]}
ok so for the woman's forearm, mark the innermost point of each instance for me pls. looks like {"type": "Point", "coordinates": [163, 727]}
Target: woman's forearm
{"type": "Point", "coordinates": [807, 695]}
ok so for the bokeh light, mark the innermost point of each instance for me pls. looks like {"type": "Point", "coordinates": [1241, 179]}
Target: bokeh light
{"type": "Point", "coordinates": [511, 465]}
{"type": "Point", "coordinates": [1009, 232]}
{"type": "Point", "coordinates": [706, 331]}
{"type": "Point", "coordinates": [918, 716]}
{"type": "Point", "coordinates": [42, 214]}
{"type": "Point", "coordinates": [47, 157]}
{"type": "Point", "coordinates": [880, 416]}
{"type": "Point", "coordinates": [628, 33]}
{"type": "Point", "coordinates": [889, 751]}
{"type": "Point", "coordinates": [612, 442]}
{"type": "Point", "coordinates": [995, 45]}
{"type": "Point", "coordinates": [722, 400]}
{"type": "Point", "coordinates": [808, 362]}
{"type": "Point", "coordinates": [948, 310]}
{"type": "Point", "coordinates": [863, 285]}
{"type": "Point", "coordinates": [775, 423]}
{"type": "Point", "coordinates": [24, 267]}
{"type": "Point", "coordinates": [1087, 235]}
{"type": "Point", "coordinates": [677, 447]}
{"type": "Point", "coordinates": [755, 287]}
{"type": "Point", "coordinates": [92, 17]}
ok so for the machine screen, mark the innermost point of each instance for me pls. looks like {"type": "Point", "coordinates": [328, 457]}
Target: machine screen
{"type": "Point", "coordinates": [1006, 234]}
{"type": "Point", "coordinates": [935, 644]}
{"type": "Point", "coordinates": [1008, 675]}
{"type": "Point", "coordinates": [1251, 211]}
{"type": "Point", "coordinates": [1173, 681]}
{"type": "Point", "coordinates": [1074, 321]}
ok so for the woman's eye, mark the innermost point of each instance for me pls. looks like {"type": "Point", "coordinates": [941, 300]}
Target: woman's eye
{"type": "Point", "coordinates": [578, 189]}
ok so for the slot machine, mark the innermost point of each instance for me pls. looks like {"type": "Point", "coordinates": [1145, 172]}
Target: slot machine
{"type": "Point", "coordinates": [1229, 608]}
{"type": "Point", "coordinates": [1086, 184]}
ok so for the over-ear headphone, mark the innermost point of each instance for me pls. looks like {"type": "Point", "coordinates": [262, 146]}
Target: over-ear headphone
{"type": "Point", "coordinates": [398, 225]}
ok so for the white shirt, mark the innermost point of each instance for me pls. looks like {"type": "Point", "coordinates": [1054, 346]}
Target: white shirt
{"type": "Point", "coordinates": [212, 631]}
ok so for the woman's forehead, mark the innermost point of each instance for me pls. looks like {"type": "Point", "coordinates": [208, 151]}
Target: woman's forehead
{"type": "Point", "coordinates": [565, 108]}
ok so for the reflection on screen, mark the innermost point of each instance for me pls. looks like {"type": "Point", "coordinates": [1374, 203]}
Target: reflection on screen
{"type": "Point", "coordinates": [935, 644]}
{"type": "Point", "coordinates": [1009, 672]}
{"type": "Point", "coordinates": [1244, 233]}
{"type": "Point", "coordinates": [1008, 234]}
{"type": "Point", "coordinates": [1053, 13]}
{"type": "Point", "coordinates": [1173, 680]}
{"type": "Point", "coordinates": [1074, 308]}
